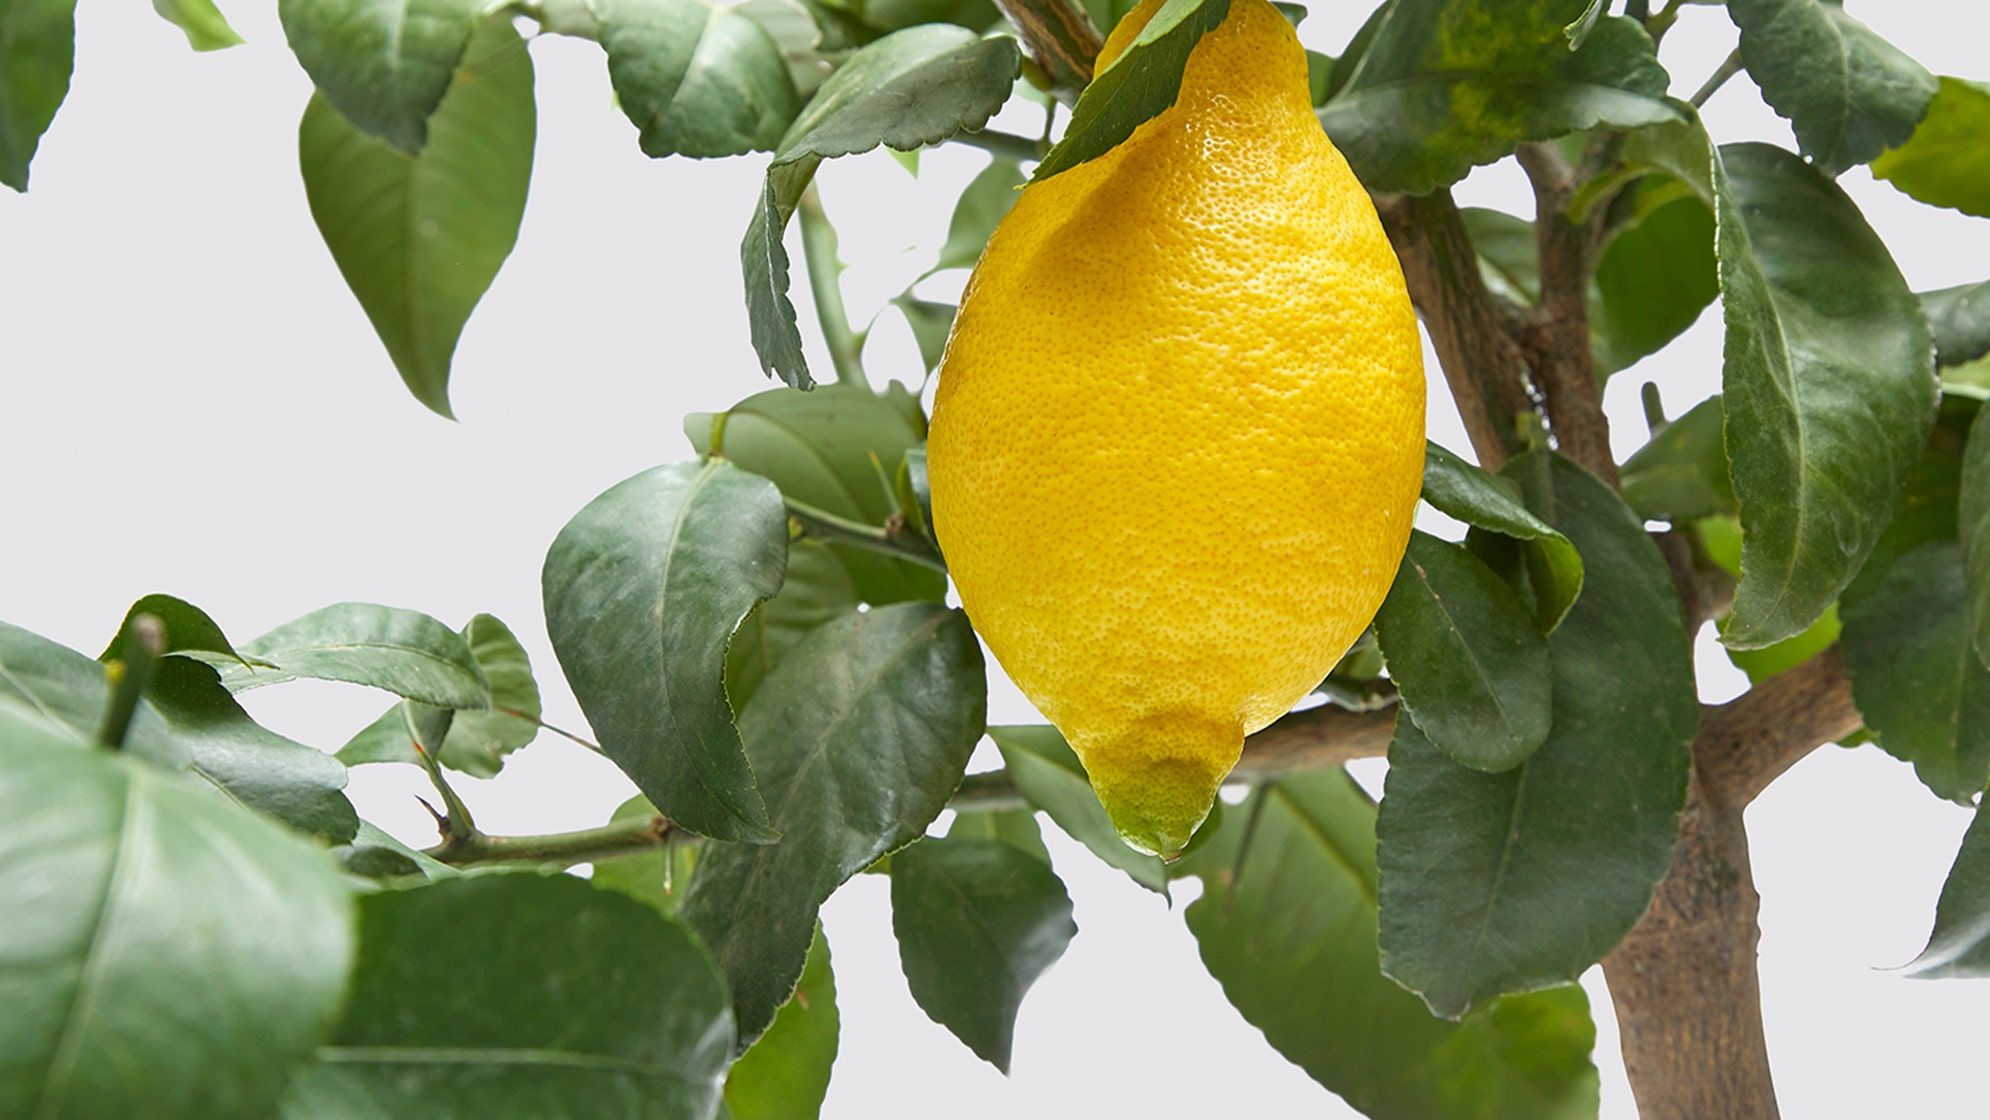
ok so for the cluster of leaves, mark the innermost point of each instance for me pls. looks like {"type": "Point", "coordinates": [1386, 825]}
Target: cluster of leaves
{"type": "Point", "coordinates": [757, 635]}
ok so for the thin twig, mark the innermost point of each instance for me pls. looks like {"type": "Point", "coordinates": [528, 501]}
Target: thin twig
{"type": "Point", "coordinates": [894, 538]}
{"type": "Point", "coordinates": [825, 283]}
{"type": "Point", "coordinates": [569, 736]}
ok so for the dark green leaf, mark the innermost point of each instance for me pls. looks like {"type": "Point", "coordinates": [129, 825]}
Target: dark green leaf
{"type": "Point", "coordinates": [908, 89]}
{"type": "Point", "coordinates": [37, 52]}
{"type": "Point", "coordinates": [987, 198]}
{"type": "Point", "coordinates": [1960, 320]}
{"type": "Point", "coordinates": [817, 590]}
{"type": "Point", "coordinates": [403, 652]}
{"type": "Point", "coordinates": [1014, 827]}
{"type": "Point", "coordinates": [1047, 771]}
{"type": "Point", "coordinates": [373, 854]}
{"type": "Point", "coordinates": [1947, 162]}
{"type": "Point", "coordinates": [1960, 943]}
{"type": "Point", "coordinates": [859, 737]}
{"type": "Point", "coordinates": [1973, 528]}
{"type": "Point", "coordinates": [206, 28]}
{"type": "Point", "coordinates": [384, 67]}
{"type": "Point", "coordinates": [977, 922]}
{"type": "Point", "coordinates": [188, 629]}
{"type": "Point", "coordinates": [786, 1074]}
{"type": "Point", "coordinates": [1462, 491]}
{"type": "Point", "coordinates": [1287, 924]}
{"type": "Point", "coordinates": [1141, 83]}
{"type": "Point", "coordinates": [478, 741]}
{"type": "Point", "coordinates": [1829, 386]}
{"type": "Point", "coordinates": [1500, 883]}
{"type": "Point", "coordinates": [643, 589]}
{"type": "Point", "coordinates": [1465, 654]}
{"type": "Point", "coordinates": [890, 15]}
{"type": "Point", "coordinates": [576, 1004]}
{"type": "Point", "coordinates": [1849, 94]}
{"type": "Point", "coordinates": [166, 954]}
{"type": "Point", "coordinates": [698, 79]}
{"type": "Point", "coordinates": [1681, 474]}
{"type": "Point", "coordinates": [1655, 274]}
{"type": "Point", "coordinates": [419, 238]}
{"type": "Point", "coordinates": [1442, 86]}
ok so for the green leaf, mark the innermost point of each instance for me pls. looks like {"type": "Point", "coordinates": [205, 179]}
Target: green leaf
{"type": "Point", "coordinates": [373, 854]}
{"type": "Point", "coordinates": [1960, 320]}
{"type": "Point", "coordinates": [1287, 924]}
{"type": "Point", "coordinates": [37, 52]}
{"type": "Point", "coordinates": [817, 590]}
{"type": "Point", "coordinates": [1945, 161]}
{"type": "Point", "coordinates": [187, 628]}
{"type": "Point", "coordinates": [1829, 386]}
{"type": "Point", "coordinates": [930, 322]}
{"type": "Point", "coordinates": [1500, 883]}
{"type": "Point", "coordinates": [1047, 771]}
{"type": "Point", "coordinates": [384, 66]}
{"type": "Point", "coordinates": [1462, 491]}
{"type": "Point", "coordinates": [1140, 84]}
{"type": "Point", "coordinates": [659, 877]}
{"type": "Point", "coordinates": [403, 652]}
{"type": "Point", "coordinates": [643, 589]}
{"type": "Point", "coordinates": [786, 1074]}
{"type": "Point", "coordinates": [66, 692]}
{"type": "Point", "coordinates": [1680, 474]}
{"type": "Point", "coordinates": [478, 741]}
{"type": "Point", "coordinates": [575, 1004]}
{"type": "Point", "coordinates": [697, 79]}
{"type": "Point", "coordinates": [1959, 946]}
{"type": "Point", "coordinates": [1442, 86]}
{"type": "Point", "coordinates": [166, 954]}
{"type": "Point", "coordinates": [206, 28]}
{"type": "Point", "coordinates": [977, 922]}
{"type": "Point", "coordinates": [419, 238]}
{"type": "Point", "coordinates": [1581, 27]}
{"type": "Point", "coordinates": [1465, 653]}
{"type": "Point", "coordinates": [908, 89]}
{"type": "Point", "coordinates": [1849, 94]}
{"type": "Point", "coordinates": [859, 737]}
{"type": "Point", "coordinates": [985, 201]}
{"type": "Point", "coordinates": [1014, 827]}
{"type": "Point", "coordinates": [1654, 275]}
{"type": "Point", "coordinates": [1973, 528]}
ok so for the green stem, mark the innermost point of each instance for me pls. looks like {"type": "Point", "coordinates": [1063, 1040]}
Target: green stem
{"type": "Point", "coordinates": [1008, 145]}
{"type": "Point", "coordinates": [458, 826]}
{"type": "Point", "coordinates": [562, 732]}
{"type": "Point", "coordinates": [825, 282]}
{"type": "Point", "coordinates": [145, 642]}
{"type": "Point", "coordinates": [894, 539]}
{"type": "Point", "coordinates": [618, 838]}
{"type": "Point", "coordinates": [1729, 67]}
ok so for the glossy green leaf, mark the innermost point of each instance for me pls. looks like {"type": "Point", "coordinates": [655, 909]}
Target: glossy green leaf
{"type": "Point", "coordinates": [1014, 827]}
{"type": "Point", "coordinates": [1959, 946]}
{"type": "Point", "coordinates": [400, 651]}
{"type": "Point", "coordinates": [1655, 274]}
{"type": "Point", "coordinates": [478, 741]}
{"type": "Point", "coordinates": [1973, 529]}
{"type": "Point", "coordinates": [987, 198]}
{"type": "Point", "coordinates": [205, 27]}
{"type": "Point", "coordinates": [419, 238]}
{"type": "Point", "coordinates": [817, 590]}
{"type": "Point", "coordinates": [697, 79]}
{"type": "Point", "coordinates": [977, 921]}
{"type": "Point", "coordinates": [1828, 386]}
{"type": "Point", "coordinates": [859, 737]}
{"type": "Point", "coordinates": [1680, 475]}
{"type": "Point", "coordinates": [37, 52]}
{"type": "Point", "coordinates": [1960, 320]}
{"type": "Point", "coordinates": [786, 1074]}
{"type": "Point", "coordinates": [1462, 491]}
{"type": "Point", "coordinates": [1141, 84]}
{"type": "Point", "coordinates": [1464, 652]}
{"type": "Point", "coordinates": [908, 89]}
{"type": "Point", "coordinates": [165, 954]}
{"type": "Point", "coordinates": [384, 66]}
{"type": "Point", "coordinates": [1946, 161]}
{"type": "Point", "coordinates": [1442, 86]}
{"type": "Point", "coordinates": [1511, 882]}
{"type": "Point", "coordinates": [658, 877]}
{"type": "Point", "coordinates": [1047, 772]}
{"type": "Point", "coordinates": [1849, 94]}
{"type": "Point", "coordinates": [643, 589]}
{"type": "Point", "coordinates": [575, 1004]}
{"type": "Point", "coordinates": [1287, 924]}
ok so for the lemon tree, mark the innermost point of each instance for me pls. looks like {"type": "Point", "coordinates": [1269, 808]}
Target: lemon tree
{"type": "Point", "coordinates": [1167, 451]}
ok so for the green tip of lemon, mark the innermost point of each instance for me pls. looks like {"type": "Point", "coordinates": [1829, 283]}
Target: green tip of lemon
{"type": "Point", "coordinates": [1156, 808]}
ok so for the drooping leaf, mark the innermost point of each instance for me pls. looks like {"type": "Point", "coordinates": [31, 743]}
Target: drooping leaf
{"type": "Point", "coordinates": [165, 954]}
{"type": "Point", "coordinates": [1287, 924]}
{"type": "Point", "coordinates": [1460, 490]}
{"type": "Point", "coordinates": [1959, 946]}
{"type": "Point", "coordinates": [420, 237]}
{"type": "Point", "coordinates": [1681, 474]}
{"type": "Point", "coordinates": [786, 1074]}
{"type": "Point", "coordinates": [1047, 771]}
{"type": "Point", "coordinates": [478, 741]}
{"type": "Point", "coordinates": [1849, 94]}
{"type": "Point", "coordinates": [384, 66]}
{"type": "Point", "coordinates": [977, 921]}
{"type": "Point", "coordinates": [908, 89]}
{"type": "Point", "coordinates": [576, 1004]}
{"type": "Point", "coordinates": [37, 52]}
{"type": "Point", "coordinates": [986, 199]}
{"type": "Point", "coordinates": [1960, 320]}
{"type": "Point", "coordinates": [1442, 86]}
{"type": "Point", "coordinates": [643, 589]}
{"type": "Point", "coordinates": [400, 651]}
{"type": "Point", "coordinates": [697, 79]}
{"type": "Point", "coordinates": [1464, 652]}
{"type": "Point", "coordinates": [1828, 386]}
{"type": "Point", "coordinates": [1511, 882]}
{"type": "Point", "coordinates": [205, 27]}
{"type": "Point", "coordinates": [1945, 161]}
{"type": "Point", "coordinates": [858, 737]}
{"type": "Point", "coordinates": [1141, 83]}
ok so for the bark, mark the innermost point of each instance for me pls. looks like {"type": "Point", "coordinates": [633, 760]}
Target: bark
{"type": "Point", "coordinates": [1058, 36]}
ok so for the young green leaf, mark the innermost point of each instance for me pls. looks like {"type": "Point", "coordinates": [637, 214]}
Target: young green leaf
{"type": "Point", "coordinates": [384, 67]}
{"type": "Point", "coordinates": [698, 79]}
{"type": "Point", "coordinates": [1828, 383]}
{"type": "Point", "coordinates": [1680, 474]}
{"type": "Point", "coordinates": [1959, 946]}
{"type": "Point", "coordinates": [1460, 490]}
{"type": "Point", "coordinates": [908, 89]}
{"type": "Point", "coordinates": [420, 237]}
{"type": "Point", "coordinates": [859, 737]}
{"type": "Point", "coordinates": [1463, 650]}
{"type": "Point", "coordinates": [403, 652]}
{"type": "Point", "coordinates": [37, 52]}
{"type": "Point", "coordinates": [1442, 86]}
{"type": "Point", "coordinates": [1511, 882]}
{"type": "Point", "coordinates": [478, 741]}
{"type": "Point", "coordinates": [1047, 771]}
{"type": "Point", "coordinates": [1287, 924]}
{"type": "Point", "coordinates": [977, 921]}
{"type": "Point", "coordinates": [1960, 320]}
{"type": "Point", "coordinates": [1946, 162]}
{"type": "Point", "coordinates": [1139, 85]}
{"type": "Point", "coordinates": [1849, 94]}
{"type": "Point", "coordinates": [786, 1074]}
{"type": "Point", "coordinates": [205, 27]}
{"type": "Point", "coordinates": [167, 954]}
{"type": "Point", "coordinates": [576, 1003]}
{"type": "Point", "coordinates": [643, 589]}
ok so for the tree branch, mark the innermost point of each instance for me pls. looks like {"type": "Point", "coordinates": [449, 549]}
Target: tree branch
{"type": "Point", "coordinates": [894, 538]}
{"type": "Point", "coordinates": [1750, 741]}
{"type": "Point", "coordinates": [1556, 337]}
{"type": "Point", "coordinates": [1059, 36]}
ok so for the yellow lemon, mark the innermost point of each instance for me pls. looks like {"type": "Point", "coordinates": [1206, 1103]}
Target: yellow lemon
{"type": "Point", "coordinates": [1178, 436]}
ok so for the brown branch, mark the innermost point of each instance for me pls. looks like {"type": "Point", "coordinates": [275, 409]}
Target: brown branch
{"type": "Point", "coordinates": [1748, 742]}
{"type": "Point", "coordinates": [1059, 37]}
{"type": "Point", "coordinates": [1556, 338]}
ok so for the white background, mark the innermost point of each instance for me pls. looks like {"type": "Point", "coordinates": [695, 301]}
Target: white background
{"type": "Point", "coordinates": [191, 402]}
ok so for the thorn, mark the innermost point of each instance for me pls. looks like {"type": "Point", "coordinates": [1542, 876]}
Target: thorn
{"type": "Point", "coordinates": [441, 819]}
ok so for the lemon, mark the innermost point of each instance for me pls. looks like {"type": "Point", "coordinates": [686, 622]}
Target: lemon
{"type": "Point", "coordinates": [1178, 435]}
